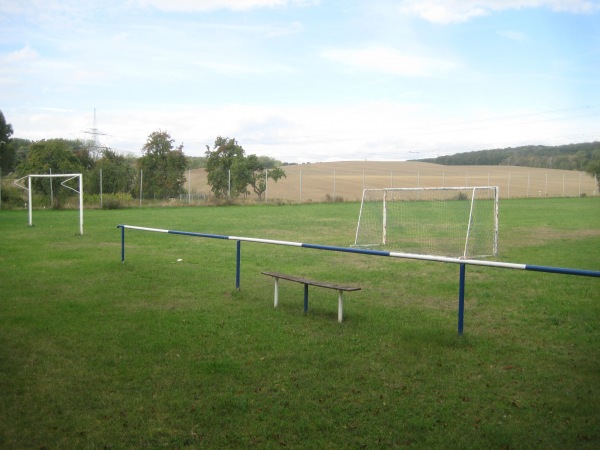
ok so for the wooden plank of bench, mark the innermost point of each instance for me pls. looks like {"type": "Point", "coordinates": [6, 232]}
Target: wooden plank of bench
{"type": "Point", "coordinates": [322, 284]}
{"type": "Point", "coordinates": [306, 282]}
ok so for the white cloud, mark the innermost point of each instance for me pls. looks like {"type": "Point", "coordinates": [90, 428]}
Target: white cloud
{"type": "Point", "coordinates": [513, 35]}
{"type": "Point", "coordinates": [208, 5]}
{"type": "Point", "coordinates": [454, 11]}
{"type": "Point", "coordinates": [227, 68]}
{"type": "Point", "coordinates": [25, 54]}
{"type": "Point", "coordinates": [383, 130]}
{"type": "Point", "coordinates": [390, 61]}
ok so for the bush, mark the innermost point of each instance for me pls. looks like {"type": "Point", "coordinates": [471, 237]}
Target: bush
{"type": "Point", "coordinates": [12, 197]}
{"type": "Point", "coordinates": [119, 200]}
{"type": "Point", "coordinates": [334, 199]}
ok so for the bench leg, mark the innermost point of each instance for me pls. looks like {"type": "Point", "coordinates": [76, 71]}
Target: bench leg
{"type": "Point", "coordinates": [276, 299]}
{"type": "Point", "coordinates": [305, 298]}
{"type": "Point", "coordinates": [340, 306]}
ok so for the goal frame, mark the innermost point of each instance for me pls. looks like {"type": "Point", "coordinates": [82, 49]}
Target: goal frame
{"type": "Point", "coordinates": [69, 177]}
{"type": "Point", "coordinates": [384, 191]}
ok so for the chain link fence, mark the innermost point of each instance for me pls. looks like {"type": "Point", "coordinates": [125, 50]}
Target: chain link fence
{"type": "Point", "coordinates": [335, 182]}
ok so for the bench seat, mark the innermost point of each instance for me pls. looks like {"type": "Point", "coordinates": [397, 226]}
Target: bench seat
{"type": "Point", "coordinates": [306, 282]}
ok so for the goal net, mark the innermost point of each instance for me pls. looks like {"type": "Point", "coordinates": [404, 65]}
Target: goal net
{"type": "Point", "coordinates": [444, 221]}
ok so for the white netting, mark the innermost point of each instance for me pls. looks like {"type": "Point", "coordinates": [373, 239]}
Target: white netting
{"type": "Point", "coordinates": [456, 222]}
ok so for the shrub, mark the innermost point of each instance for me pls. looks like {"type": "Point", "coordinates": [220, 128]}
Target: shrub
{"type": "Point", "coordinates": [12, 197]}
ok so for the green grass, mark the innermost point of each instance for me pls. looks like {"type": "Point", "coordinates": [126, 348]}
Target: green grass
{"type": "Point", "coordinates": [160, 353]}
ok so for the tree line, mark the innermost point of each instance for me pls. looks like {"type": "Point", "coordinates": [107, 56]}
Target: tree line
{"type": "Point", "coordinates": [584, 157]}
{"type": "Point", "coordinates": [159, 172]}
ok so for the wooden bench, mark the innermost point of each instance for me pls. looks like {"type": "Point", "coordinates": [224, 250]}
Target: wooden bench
{"type": "Point", "coordinates": [341, 289]}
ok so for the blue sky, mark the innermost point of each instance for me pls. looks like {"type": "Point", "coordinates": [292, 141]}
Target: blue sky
{"type": "Point", "coordinates": [304, 80]}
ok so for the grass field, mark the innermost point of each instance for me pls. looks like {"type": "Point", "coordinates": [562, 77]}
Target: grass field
{"type": "Point", "coordinates": [160, 353]}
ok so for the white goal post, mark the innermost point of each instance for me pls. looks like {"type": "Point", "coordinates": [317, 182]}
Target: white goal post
{"type": "Point", "coordinates": [69, 177]}
{"type": "Point", "coordinates": [442, 221]}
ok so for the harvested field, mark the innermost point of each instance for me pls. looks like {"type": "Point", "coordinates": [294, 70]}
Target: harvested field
{"type": "Point", "coordinates": [344, 181]}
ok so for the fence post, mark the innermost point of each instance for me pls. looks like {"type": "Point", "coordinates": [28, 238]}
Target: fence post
{"type": "Point", "coordinates": [51, 192]}
{"type": "Point", "coordinates": [334, 184]}
{"type": "Point", "coordinates": [100, 188]}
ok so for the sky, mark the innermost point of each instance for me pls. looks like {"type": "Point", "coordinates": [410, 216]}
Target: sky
{"type": "Point", "coordinates": [304, 80]}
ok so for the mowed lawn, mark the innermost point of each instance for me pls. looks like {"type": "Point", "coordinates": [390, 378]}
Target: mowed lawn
{"type": "Point", "coordinates": [163, 351]}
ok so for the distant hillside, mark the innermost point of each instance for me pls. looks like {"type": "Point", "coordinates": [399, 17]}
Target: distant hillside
{"type": "Point", "coordinates": [566, 157]}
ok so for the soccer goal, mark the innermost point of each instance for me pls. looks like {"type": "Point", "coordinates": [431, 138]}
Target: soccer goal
{"type": "Point", "coordinates": [443, 221]}
{"type": "Point", "coordinates": [69, 176]}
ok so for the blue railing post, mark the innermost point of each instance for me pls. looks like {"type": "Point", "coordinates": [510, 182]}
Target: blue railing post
{"type": "Point", "coordinates": [238, 263]}
{"type": "Point", "coordinates": [122, 244]}
{"type": "Point", "coordinates": [461, 300]}
{"type": "Point", "coordinates": [305, 298]}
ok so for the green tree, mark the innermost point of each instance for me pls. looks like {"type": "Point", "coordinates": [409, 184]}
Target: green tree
{"type": "Point", "coordinates": [21, 148]}
{"type": "Point", "coordinates": [219, 164]}
{"type": "Point", "coordinates": [163, 166]}
{"type": "Point", "coordinates": [117, 174]}
{"type": "Point", "coordinates": [53, 155]}
{"type": "Point", "coordinates": [257, 174]}
{"type": "Point", "coordinates": [229, 167]}
{"type": "Point", "coordinates": [593, 168]}
{"type": "Point", "coordinates": [7, 152]}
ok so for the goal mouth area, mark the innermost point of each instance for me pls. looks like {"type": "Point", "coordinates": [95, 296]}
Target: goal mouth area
{"type": "Point", "coordinates": [458, 222]}
{"type": "Point", "coordinates": [68, 176]}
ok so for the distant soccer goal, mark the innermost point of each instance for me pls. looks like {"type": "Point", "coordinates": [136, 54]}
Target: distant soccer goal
{"type": "Point", "coordinates": [443, 221]}
{"type": "Point", "coordinates": [69, 176]}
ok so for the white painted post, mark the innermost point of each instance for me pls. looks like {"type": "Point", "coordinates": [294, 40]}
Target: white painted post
{"type": "Point", "coordinates": [340, 305]}
{"type": "Point", "coordinates": [81, 204]}
{"type": "Point", "coordinates": [276, 300]}
{"type": "Point", "coordinates": [29, 203]}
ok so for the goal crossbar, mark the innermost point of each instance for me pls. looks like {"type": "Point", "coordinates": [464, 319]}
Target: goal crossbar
{"type": "Point", "coordinates": [69, 177]}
